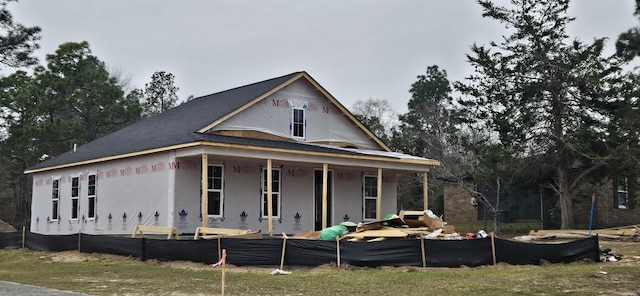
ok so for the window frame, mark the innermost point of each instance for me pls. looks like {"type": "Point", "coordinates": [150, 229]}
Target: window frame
{"type": "Point", "coordinates": [75, 198]}
{"type": "Point", "coordinates": [276, 193]}
{"type": "Point", "coordinates": [300, 125]}
{"type": "Point", "coordinates": [211, 191]}
{"type": "Point", "coordinates": [368, 198]}
{"type": "Point", "coordinates": [621, 193]}
{"type": "Point", "coordinates": [92, 197]}
{"type": "Point", "coordinates": [55, 199]}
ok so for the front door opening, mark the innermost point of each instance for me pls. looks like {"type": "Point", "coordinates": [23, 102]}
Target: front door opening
{"type": "Point", "coordinates": [317, 190]}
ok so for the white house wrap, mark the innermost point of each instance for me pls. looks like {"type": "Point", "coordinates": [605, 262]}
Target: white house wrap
{"type": "Point", "coordinates": [325, 167]}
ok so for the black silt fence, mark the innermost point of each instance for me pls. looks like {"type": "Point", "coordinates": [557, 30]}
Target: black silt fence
{"type": "Point", "coordinates": [106, 244]}
{"type": "Point", "coordinates": [299, 252]}
{"type": "Point", "coordinates": [520, 253]}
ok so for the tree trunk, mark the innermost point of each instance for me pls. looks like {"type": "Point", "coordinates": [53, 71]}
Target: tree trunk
{"type": "Point", "coordinates": [564, 199]}
{"type": "Point", "coordinates": [562, 161]}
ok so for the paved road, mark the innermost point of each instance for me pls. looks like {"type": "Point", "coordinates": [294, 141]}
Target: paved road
{"type": "Point", "coordinates": [11, 289]}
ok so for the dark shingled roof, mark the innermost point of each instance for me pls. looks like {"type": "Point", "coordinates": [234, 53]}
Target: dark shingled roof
{"type": "Point", "coordinates": [177, 126]}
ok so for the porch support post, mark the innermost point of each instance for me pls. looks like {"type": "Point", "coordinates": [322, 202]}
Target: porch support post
{"type": "Point", "coordinates": [425, 190]}
{"type": "Point", "coordinates": [205, 191]}
{"type": "Point", "coordinates": [270, 197]}
{"type": "Point", "coordinates": [379, 196]}
{"type": "Point", "coordinates": [325, 177]}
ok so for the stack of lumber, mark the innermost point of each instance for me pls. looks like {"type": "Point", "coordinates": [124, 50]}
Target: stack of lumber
{"type": "Point", "coordinates": [386, 232]}
{"type": "Point", "coordinates": [612, 233]}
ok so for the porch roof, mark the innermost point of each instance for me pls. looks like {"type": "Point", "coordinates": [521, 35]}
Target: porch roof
{"type": "Point", "coordinates": [101, 152]}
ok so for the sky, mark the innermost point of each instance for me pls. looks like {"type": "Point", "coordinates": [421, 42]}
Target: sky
{"type": "Point", "coordinates": [356, 49]}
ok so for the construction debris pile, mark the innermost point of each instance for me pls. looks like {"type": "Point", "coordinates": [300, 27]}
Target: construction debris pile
{"type": "Point", "coordinates": [405, 225]}
{"type": "Point", "coordinates": [609, 256]}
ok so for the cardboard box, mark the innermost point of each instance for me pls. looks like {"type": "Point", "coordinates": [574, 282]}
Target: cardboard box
{"type": "Point", "coordinates": [420, 219]}
{"type": "Point", "coordinates": [434, 223]}
{"type": "Point", "coordinates": [414, 218]}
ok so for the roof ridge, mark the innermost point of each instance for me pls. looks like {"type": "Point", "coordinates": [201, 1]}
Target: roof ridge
{"type": "Point", "coordinates": [250, 84]}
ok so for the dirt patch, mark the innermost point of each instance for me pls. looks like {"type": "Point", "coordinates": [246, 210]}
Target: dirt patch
{"type": "Point", "coordinates": [6, 227]}
{"type": "Point", "coordinates": [75, 256]}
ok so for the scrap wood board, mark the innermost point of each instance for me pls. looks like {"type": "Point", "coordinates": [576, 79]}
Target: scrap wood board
{"type": "Point", "coordinates": [415, 231]}
{"type": "Point", "coordinates": [379, 224]}
{"type": "Point", "coordinates": [608, 233]}
{"type": "Point", "coordinates": [200, 231]}
{"type": "Point", "coordinates": [170, 231]}
{"type": "Point", "coordinates": [377, 233]}
{"type": "Point", "coordinates": [309, 234]}
{"type": "Point", "coordinates": [254, 235]}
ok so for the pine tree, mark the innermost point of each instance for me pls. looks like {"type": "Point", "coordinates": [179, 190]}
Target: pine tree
{"type": "Point", "coordinates": [542, 97]}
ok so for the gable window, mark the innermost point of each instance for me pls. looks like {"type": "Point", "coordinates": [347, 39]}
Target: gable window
{"type": "Point", "coordinates": [75, 193]}
{"type": "Point", "coordinates": [275, 193]}
{"type": "Point", "coordinates": [622, 193]}
{"type": "Point", "coordinates": [55, 199]}
{"type": "Point", "coordinates": [91, 197]}
{"type": "Point", "coordinates": [215, 178]}
{"type": "Point", "coordinates": [370, 193]}
{"type": "Point", "coordinates": [297, 122]}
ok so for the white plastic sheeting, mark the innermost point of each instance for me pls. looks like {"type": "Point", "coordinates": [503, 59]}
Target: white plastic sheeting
{"type": "Point", "coordinates": [324, 121]}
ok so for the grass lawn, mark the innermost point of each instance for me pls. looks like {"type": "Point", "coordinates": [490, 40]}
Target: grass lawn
{"type": "Point", "coordinates": [99, 274]}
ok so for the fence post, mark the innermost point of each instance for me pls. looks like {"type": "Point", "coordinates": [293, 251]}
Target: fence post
{"type": "Point", "coordinates": [144, 249]}
{"type": "Point", "coordinates": [424, 259]}
{"type": "Point", "coordinates": [24, 234]}
{"type": "Point", "coordinates": [338, 249]}
{"type": "Point", "coordinates": [493, 247]}
{"type": "Point", "coordinates": [79, 240]}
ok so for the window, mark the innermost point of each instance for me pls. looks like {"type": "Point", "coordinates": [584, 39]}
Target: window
{"type": "Point", "coordinates": [622, 193]}
{"type": "Point", "coordinates": [91, 197]}
{"type": "Point", "coordinates": [275, 193]}
{"type": "Point", "coordinates": [297, 123]}
{"type": "Point", "coordinates": [370, 197]}
{"type": "Point", "coordinates": [215, 177]}
{"type": "Point", "coordinates": [55, 199]}
{"type": "Point", "coordinates": [75, 193]}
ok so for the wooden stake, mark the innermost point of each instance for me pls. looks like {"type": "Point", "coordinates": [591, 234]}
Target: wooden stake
{"type": "Point", "coordinates": [79, 239]}
{"type": "Point", "coordinates": [493, 247]}
{"type": "Point", "coordinates": [219, 247]}
{"type": "Point", "coordinates": [224, 268]}
{"type": "Point", "coordinates": [424, 259]}
{"type": "Point", "coordinates": [24, 233]}
{"type": "Point", "coordinates": [338, 249]}
{"type": "Point", "coordinates": [284, 246]}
